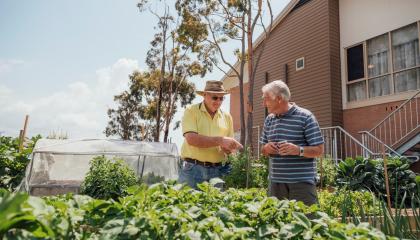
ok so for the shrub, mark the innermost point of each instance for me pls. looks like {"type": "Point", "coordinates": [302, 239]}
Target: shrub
{"type": "Point", "coordinates": [329, 172]}
{"type": "Point", "coordinates": [12, 162]}
{"type": "Point", "coordinates": [356, 203]}
{"type": "Point", "coordinates": [108, 179]}
{"type": "Point", "coordinates": [258, 176]}
{"type": "Point", "coordinates": [368, 174]}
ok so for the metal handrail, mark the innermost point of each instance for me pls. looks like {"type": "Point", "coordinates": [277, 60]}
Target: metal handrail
{"type": "Point", "coordinates": [353, 138]}
{"type": "Point", "coordinates": [396, 110]}
{"type": "Point", "coordinates": [365, 142]}
{"type": "Point", "coordinates": [400, 123]}
{"type": "Point", "coordinates": [339, 144]}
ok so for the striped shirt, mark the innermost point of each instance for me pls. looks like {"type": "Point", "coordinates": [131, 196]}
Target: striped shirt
{"type": "Point", "coordinates": [300, 127]}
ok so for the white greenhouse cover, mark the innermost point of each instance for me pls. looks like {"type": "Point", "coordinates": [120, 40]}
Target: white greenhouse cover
{"type": "Point", "coordinates": [61, 163]}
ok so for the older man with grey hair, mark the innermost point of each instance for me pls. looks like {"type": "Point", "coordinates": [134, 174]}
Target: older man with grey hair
{"type": "Point", "coordinates": [292, 139]}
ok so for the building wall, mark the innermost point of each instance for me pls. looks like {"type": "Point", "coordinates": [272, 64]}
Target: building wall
{"type": "Point", "coordinates": [311, 31]}
{"type": "Point", "coordinates": [365, 118]}
{"type": "Point", "coordinates": [361, 20]}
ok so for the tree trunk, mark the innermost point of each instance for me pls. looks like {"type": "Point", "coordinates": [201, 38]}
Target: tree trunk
{"type": "Point", "coordinates": [250, 94]}
{"type": "Point", "coordinates": [162, 78]}
{"type": "Point", "coordinates": [168, 111]}
{"type": "Point", "coordinates": [241, 89]}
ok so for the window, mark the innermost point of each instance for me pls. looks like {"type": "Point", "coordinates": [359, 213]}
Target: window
{"type": "Point", "coordinates": [406, 58]}
{"type": "Point", "coordinates": [355, 63]}
{"type": "Point", "coordinates": [300, 63]}
{"type": "Point", "coordinates": [378, 69]}
{"type": "Point", "coordinates": [384, 65]}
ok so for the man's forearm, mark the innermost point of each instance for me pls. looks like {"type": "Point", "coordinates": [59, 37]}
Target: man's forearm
{"type": "Point", "coordinates": [202, 141]}
{"type": "Point", "coordinates": [313, 151]}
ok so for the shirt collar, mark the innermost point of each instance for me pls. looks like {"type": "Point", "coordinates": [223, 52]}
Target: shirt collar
{"type": "Point", "coordinates": [289, 112]}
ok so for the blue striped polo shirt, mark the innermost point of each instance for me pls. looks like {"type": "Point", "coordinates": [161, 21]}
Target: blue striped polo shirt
{"type": "Point", "coordinates": [300, 127]}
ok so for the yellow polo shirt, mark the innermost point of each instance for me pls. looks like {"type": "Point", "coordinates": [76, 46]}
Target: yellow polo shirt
{"type": "Point", "coordinates": [197, 119]}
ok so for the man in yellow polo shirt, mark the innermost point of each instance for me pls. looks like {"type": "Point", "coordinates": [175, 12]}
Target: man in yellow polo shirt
{"type": "Point", "coordinates": [208, 133]}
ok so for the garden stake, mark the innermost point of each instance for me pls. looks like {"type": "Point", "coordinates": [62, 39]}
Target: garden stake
{"type": "Point", "coordinates": [322, 170]}
{"type": "Point", "coordinates": [23, 133]}
{"type": "Point", "coordinates": [388, 196]}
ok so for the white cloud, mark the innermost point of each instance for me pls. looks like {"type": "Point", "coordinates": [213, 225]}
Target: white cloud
{"type": "Point", "coordinates": [7, 65]}
{"type": "Point", "coordinates": [78, 110]}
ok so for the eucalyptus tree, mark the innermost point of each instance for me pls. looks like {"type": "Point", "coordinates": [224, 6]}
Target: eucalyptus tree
{"type": "Point", "coordinates": [134, 116]}
{"type": "Point", "coordinates": [174, 53]}
{"type": "Point", "coordinates": [231, 20]}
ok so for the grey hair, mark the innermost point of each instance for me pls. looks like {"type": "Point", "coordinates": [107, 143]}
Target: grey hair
{"type": "Point", "coordinates": [277, 88]}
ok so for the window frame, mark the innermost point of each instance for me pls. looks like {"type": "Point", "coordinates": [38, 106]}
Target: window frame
{"type": "Point", "coordinates": [296, 63]}
{"type": "Point", "coordinates": [391, 71]}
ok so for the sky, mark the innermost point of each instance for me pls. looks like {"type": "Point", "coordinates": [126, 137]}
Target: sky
{"type": "Point", "coordinates": [61, 63]}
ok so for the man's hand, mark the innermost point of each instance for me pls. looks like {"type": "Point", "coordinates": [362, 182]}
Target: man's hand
{"type": "Point", "coordinates": [287, 148]}
{"type": "Point", "coordinates": [230, 144]}
{"type": "Point", "coordinates": [270, 148]}
{"type": "Point", "coordinates": [226, 151]}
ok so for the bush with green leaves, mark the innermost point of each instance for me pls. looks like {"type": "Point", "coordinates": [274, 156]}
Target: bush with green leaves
{"type": "Point", "coordinates": [368, 174]}
{"type": "Point", "coordinates": [356, 203]}
{"type": "Point", "coordinates": [108, 178]}
{"type": "Point", "coordinates": [329, 172]}
{"type": "Point", "coordinates": [171, 211]}
{"type": "Point", "coordinates": [12, 162]}
{"type": "Point", "coordinates": [258, 174]}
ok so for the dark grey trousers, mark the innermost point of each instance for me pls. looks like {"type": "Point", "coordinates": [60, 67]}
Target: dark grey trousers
{"type": "Point", "coordinates": [305, 192]}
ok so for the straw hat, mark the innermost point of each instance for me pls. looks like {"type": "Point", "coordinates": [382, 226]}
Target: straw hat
{"type": "Point", "coordinates": [213, 87]}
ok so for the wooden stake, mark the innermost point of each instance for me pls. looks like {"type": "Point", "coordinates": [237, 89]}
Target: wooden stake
{"type": "Point", "coordinates": [388, 196]}
{"type": "Point", "coordinates": [23, 133]}
{"type": "Point", "coordinates": [322, 170]}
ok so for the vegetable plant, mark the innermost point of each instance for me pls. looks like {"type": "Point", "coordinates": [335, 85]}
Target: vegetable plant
{"type": "Point", "coordinates": [12, 162]}
{"type": "Point", "coordinates": [108, 178]}
{"type": "Point", "coordinates": [172, 211]}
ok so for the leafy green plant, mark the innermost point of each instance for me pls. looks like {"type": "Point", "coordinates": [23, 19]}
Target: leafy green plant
{"type": "Point", "coordinates": [108, 178]}
{"type": "Point", "coordinates": [368, 174]}
{"type": "Point", "coordinates": [174, 211]}
{"type": "Point", "coordinates": [357, 203]}
{"type": "Point", "coordinates": [329, 172]}
{"type": "Point", "coordinates": [401, 180]}
{"type": "Point", "coordinates": [357, 174]}
{"type": "Point", "coordinates": [151, 178]}
{"type": "Point", "coordinates": [12, 162]}
{"type": "Point", "coordinates": [258, 175]}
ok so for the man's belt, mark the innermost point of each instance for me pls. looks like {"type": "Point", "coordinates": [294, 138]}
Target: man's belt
{"type": "Point", "coordinates": [205, 164]}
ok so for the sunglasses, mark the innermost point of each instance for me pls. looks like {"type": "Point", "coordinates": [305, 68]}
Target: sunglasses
{"type": "Point", "coordinates": [215, 98]}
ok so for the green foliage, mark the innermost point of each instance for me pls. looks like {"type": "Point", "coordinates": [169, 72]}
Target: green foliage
{"type": "Point", "coordinates": [368, 174]}
{"type": "Point", "coordinates": [134, 117]}
{"type": "Point", "coordinates": [12, 162]}
{"type": "Point", "coordinates": [356, 203]}
{"type": "Point", "coordinates": [151, 178]}
{"type": "Point", "coordinates": [357, 173]}
{"type": "Point", "coordinates": [401, 221]}
{"type": "Point", "coordinates": [108, 179]}
{"type": "Point", "coordinates": [329, 172]}
{"type": "Point", "coordinates": [258, 173]}
{"type": "Point", "coordinates": [171, 211]}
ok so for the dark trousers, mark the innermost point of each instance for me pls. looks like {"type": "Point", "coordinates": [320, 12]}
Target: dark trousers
{"type": "Point", "coordinates": [305, 192]}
